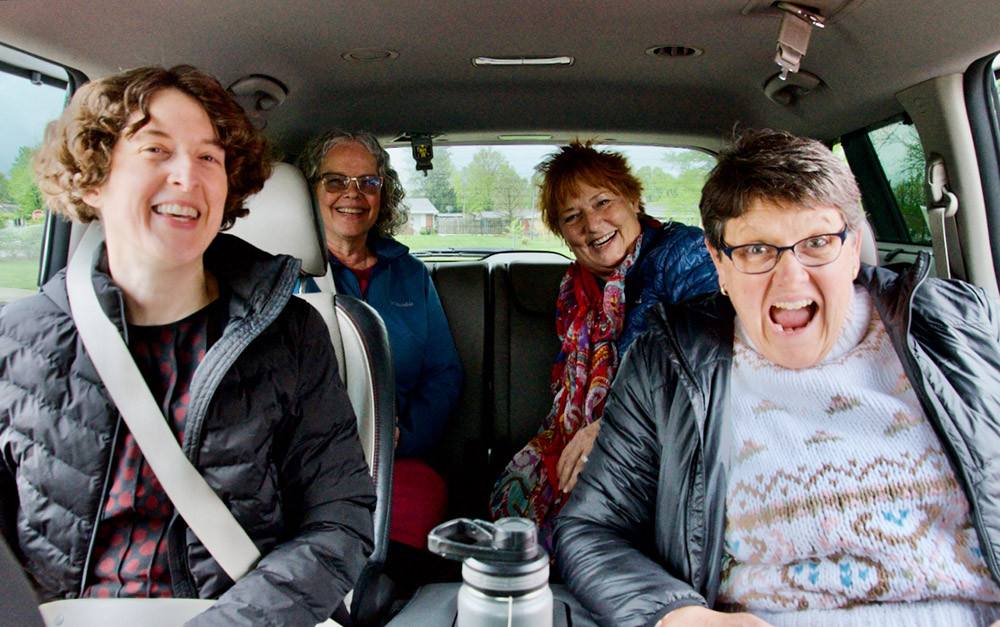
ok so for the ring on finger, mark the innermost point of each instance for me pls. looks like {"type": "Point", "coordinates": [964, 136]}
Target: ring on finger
{"type": "Point", "coordinates": [583, 458]}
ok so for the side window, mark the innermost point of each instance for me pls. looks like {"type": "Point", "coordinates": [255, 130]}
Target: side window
{"type": "Point", "coordinates": [889, 164]}
{"type": "Point", "coordinates": [31, 98]}
{"type": "Point", "coordinates": [484, 198]}
{"type": "Point", "coordinates": [898, 148]}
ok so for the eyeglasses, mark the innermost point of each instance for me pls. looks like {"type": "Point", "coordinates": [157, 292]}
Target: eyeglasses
{"type": "Point", "coordinates": [337, 184]}
{"type": "Point", "coordinates": [815, 250]}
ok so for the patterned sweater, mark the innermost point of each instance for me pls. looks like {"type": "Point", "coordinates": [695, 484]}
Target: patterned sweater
{"type": "Point", "coordinates": [840, 492]}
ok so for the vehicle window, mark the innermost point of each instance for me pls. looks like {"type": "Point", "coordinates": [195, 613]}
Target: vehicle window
{"type": "Point", "coordinates": [27, 105]}
{"type": "Point", "coordinates": [898, 148]}
{"type": "Point", "coordinates": [479, 199]}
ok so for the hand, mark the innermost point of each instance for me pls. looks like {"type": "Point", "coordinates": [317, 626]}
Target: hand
{"type": "Point", "coordinates": [697, 616]}
{"type": "Point", "coordinates": [395, 444]}
{"type": "Point", "coordinates": [574, 456]}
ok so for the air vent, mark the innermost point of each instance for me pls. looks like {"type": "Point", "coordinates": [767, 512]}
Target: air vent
{"type": "Point", "coordinates": [674, 52]}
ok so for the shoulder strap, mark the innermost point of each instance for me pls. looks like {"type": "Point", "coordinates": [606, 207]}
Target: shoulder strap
{"type": "Point", "coordinates": [197, 503]}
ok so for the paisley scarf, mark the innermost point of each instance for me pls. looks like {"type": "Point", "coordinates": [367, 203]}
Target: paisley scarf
{"type": "Point", "coordinates": [589, 321]}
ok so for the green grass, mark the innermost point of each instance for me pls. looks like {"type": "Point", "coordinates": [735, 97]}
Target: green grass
{"type": "Point", "coordinates": [506, 242]}
{"type": "Point", "coordinates": [20, 247]}
{"type": "Point", "coordinates": [19, 273]}
{"type": "Point", "coordinates": [21, 242]}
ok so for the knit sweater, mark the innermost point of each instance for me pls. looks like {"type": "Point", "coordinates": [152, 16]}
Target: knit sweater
{"type": "Point", "coordinates": [840, 493]}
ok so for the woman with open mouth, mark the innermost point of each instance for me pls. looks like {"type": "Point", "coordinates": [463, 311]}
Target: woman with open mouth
{"type": "Point", "coordinates": [626, 262]}
{"type": "Point", "coordinates": [814, 444]}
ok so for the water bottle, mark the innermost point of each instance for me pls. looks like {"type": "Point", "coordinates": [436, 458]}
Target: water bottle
{"type": "Point", "coordinates": [505, 573]}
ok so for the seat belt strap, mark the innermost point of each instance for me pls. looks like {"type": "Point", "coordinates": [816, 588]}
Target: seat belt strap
{"type": "Point", "coordinates": [199, 505]}
{"type": "Point", "coordinates": [942, 205]}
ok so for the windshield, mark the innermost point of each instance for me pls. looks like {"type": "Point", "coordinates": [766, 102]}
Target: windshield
{"type": "Point", "coordinates": [481, 199]}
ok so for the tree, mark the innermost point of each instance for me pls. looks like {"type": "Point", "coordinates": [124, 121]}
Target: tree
{"type": "Point", "coordinates": [21, 186]}
{"type": "Point", "coordinates": [511, 196]}
{"type": "Point", "coordinates": [688, 159]}
{"type": "Point", "coordinates": [489, 183]}
{"type": "Point", "coordinates": [694, 168]}
{"type": "Point", "coordinates": [657, 185]}
{"type": "Point", "coordinates": [4, 190]}
{"type": "Point", "coordinates": [437, 186]}
{"type": "Point", "coordinates": [908, 181]}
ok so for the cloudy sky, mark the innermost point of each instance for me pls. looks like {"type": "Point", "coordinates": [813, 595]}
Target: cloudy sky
{"type": "Point", "coordinates": [25, 109]}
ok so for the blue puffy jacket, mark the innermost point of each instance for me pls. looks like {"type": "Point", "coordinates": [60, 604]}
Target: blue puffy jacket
{"type": "Point", "coordinates": [673, 266]}
{"type": "Point", "coordinates": [428, 371]}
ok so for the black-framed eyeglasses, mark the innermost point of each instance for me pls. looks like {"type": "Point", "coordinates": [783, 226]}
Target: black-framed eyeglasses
{"type": "Point", "coordinates": [815, 250]}
{"type": "Point", "coordinates": [338, 184]}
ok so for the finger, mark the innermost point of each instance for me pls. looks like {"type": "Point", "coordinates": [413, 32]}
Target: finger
{"type": "Point", "coordinates": [570, 459]}
{"type": "Point", "coordinates": [571, 483]}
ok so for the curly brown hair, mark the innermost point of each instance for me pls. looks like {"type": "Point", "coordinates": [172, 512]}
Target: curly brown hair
{"type": "Point", "coordinates": [577, 163]}
{"type": "Point", "coordinates": [76, 155]}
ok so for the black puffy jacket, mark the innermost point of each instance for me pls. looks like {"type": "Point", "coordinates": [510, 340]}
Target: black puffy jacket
{"type": "Point", "coordinates": [269, 426]}
{"type": "Point", "coordinates": [642, 534]}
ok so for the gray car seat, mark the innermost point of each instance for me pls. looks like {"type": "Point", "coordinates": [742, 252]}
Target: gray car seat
{"type": "Point", "coordinates": [283, 220]}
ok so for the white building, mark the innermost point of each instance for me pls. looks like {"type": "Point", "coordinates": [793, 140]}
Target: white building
{"type": "Point", "coordinates": [421, 215]}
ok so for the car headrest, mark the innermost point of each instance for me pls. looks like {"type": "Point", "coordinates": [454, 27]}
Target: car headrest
{"type": "Point", "coordinates": [536, 285]}
{"type": "Point", "coordinates": [283, 220]}
{"type": "Point", "coordinates": [869, 247]}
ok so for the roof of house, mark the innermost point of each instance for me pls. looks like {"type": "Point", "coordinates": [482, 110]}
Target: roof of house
{"type": "Point", "coordinates": [421, 206]}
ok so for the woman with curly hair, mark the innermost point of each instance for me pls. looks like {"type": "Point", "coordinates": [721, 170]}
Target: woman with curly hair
{"type": "Point", "coordinates": [243, 373]}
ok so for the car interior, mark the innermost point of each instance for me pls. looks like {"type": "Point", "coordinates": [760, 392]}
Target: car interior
{"type": "Point", "coordinates": [904, 90]}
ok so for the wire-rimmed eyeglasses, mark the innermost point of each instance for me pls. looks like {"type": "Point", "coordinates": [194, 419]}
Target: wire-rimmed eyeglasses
{"type": "Point", "coordinates": [815, 250]}
{"type": "Point", "coordinates": [338, 184]}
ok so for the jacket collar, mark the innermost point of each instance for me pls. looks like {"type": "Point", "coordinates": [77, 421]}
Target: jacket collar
{"type": "Point", "coordinates": [384, 248]}
{"type": "Point", "coordinates": [892, 292]}
{"type": "Point", "coordinates": [255, 281]}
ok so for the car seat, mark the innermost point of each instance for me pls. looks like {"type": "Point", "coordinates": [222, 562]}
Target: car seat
{"type": "Point", "coordinates": [283, 220]}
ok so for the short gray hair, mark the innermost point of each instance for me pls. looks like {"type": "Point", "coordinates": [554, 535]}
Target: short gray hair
{"type": "Point", "coordinates": [779, 167]}
{"type": "Point", "coordinates": [392, 213]}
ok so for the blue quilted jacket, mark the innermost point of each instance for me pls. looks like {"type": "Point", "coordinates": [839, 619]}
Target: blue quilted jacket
{"type": "Point", "coordinates": [673, 266]}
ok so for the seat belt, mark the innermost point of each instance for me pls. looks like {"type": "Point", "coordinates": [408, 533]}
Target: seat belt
{"type": "Point", "coordinates": [196, 502]}
{"type": "Point", "coordinates": [942, 204]}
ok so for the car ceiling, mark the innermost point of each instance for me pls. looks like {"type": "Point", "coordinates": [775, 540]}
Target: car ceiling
{"type": "Point", "coordinates": [869, 51]}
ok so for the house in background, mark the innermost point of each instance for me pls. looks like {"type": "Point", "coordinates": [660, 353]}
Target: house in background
{"type": "Point", "coordinates": [421, 215]}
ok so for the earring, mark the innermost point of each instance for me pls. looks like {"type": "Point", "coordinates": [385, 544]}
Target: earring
{"type": "Point", "coordinates": [722, 288]}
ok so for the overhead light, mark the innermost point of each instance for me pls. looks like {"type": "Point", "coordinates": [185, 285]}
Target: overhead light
{"type": "Point", "coordinates": [522, 60]}
{"type": "Point", "coordinates": [524, 137]}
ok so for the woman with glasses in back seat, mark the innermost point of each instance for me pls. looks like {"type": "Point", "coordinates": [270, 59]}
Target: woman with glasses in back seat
{"type": "Point", "coordinates": [818, 443]}
{"type": "Point", "coordinates": [361, 200]}
{"type": "Point", "coordinates": [626, 262]}
{"type": "Point", "coordinates": [243, 374]}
